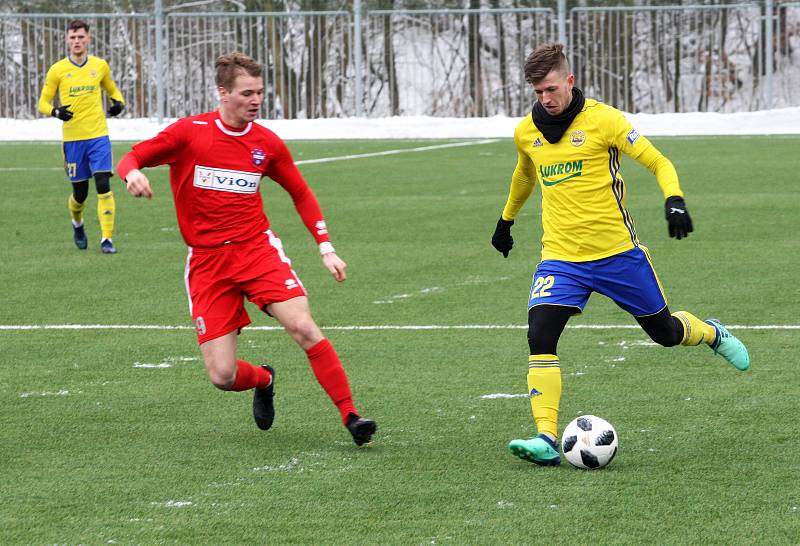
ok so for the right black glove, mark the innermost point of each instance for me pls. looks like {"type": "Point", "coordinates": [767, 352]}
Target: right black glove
{"type": "Point", "coordinates": [678, 220]}
{"type": "Point", "coordinates": [115, 108]}
{"type": "Point", "coordinates": [62, 112]}
{"type": "Point", "coordinates": [502, 239]}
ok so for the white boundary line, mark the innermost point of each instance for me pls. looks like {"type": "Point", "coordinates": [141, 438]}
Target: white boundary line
{"type": "Point", "coordinates": [418, 327]}
{"type": "Point", "coordinates": [398, 151]}
{"type": "Point", "coordinates": [14, 169]}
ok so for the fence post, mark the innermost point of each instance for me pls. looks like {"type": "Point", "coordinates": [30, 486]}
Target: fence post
{"type": "Point", "coordinates": [160, 68]}
{"type": "Point", "coordinates": [769, 51]}
{"type": "Point", "coordinates": [562, 22]}
{"type": "Point", "coordinates": [359, 91]}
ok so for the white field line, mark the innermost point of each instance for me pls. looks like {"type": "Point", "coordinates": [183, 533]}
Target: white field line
{"type": "Point", "coordinates": [19, 327]}
{"type": "Point", "coordinates": [321, 159]}
{"type": "Point", "coordinates": [13, 169]}
{"type": "Point", "coordinates": [400, 151]}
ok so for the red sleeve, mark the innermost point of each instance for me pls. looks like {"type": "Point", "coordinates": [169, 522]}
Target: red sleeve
{"type": "Point", "coordinates": [162, 149]}
{"type": "Point", "coordinates": [283, 171]}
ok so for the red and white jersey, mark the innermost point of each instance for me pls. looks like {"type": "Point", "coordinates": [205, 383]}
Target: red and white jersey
{"type": "Point", "coordinates": [215, 174]}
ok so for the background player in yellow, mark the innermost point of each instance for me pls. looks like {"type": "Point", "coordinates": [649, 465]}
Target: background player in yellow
{"type": "Point", "coordinates": [571, 145]}
{"type": "Point", "coordinates": [79, 80]}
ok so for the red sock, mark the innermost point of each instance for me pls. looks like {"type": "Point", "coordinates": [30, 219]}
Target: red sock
{"type": "Point", "coordinates": [249, 377]}
{"type": "Point", "coordinates": [331, 375]}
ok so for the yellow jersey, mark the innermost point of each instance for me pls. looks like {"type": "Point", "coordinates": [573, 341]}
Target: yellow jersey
{"type": "Point", "coordinates": [584, 216]}
{"type": "Point", "coordinates": [80, 87]}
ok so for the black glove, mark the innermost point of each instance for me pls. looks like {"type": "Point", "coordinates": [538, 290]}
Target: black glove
{"type": "Point", "coordinates": [502, 239]}
{"type": "Point", "coordinates": [678, 219]}
{"type": "Point", "coordinates": [62, 112]}
{"type": "Point", "coordinates": [115, 109]}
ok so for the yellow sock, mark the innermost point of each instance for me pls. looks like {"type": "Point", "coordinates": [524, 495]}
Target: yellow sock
{"type": "Point", "coordinates": [75, 209]}
{"type": "Point", "coordinates": [695, 331]}
{"type": "Point", "coordinates": [544, 388]}
{"type": "Point", "coordinates": [106, 210]}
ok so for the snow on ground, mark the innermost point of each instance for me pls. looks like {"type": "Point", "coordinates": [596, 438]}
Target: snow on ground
{"type": "Point", "coordinates": [767, 122]}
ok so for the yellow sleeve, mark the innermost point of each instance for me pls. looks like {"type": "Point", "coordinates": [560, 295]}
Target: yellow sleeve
{"type": "Point", "coordinates": [48, 92]}
{"type": "Point", "coordinates": [111, 88]}
{"type": "Point", "coordinates": [522, 182]}
{"type": "Point", "coordinates": [627, 139]}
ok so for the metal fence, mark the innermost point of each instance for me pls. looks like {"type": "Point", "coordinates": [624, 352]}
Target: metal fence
{"type": "Point", "coordinates": [670, 59]}
{"type": "Point", "coordinates": [426, 62]}
{"type": "Point", "coordinates": [31, 43]}
{"type": "Point", "coordinates": [451, 62]}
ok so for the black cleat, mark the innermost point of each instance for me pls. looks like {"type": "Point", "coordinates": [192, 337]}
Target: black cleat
{"type": "Point", "coordinates": [263, 408]}
{"type": "Point", "coordinates": [107, 247]}
{"type": "Point", "coordinates": [362, 429]}
{"type": "Point", "coordinates": [79, 234]}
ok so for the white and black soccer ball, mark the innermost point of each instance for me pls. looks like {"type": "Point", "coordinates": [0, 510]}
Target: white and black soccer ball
{"type": "Point", "coordinates": [589, 442]}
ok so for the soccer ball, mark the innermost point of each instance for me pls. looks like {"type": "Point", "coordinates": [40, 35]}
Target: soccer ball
{"type": "Point", "coordinates": [589, 442]}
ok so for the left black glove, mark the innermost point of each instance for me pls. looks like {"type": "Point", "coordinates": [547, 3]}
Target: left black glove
{"type": "Point", "coordinates": [678, 219]}
{"type": "Point", "coordinates": [502, 239]}
{"type": "Point", "coordinates": [115, 109]}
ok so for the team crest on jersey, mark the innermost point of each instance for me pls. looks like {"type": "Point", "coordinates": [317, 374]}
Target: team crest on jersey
{"type": "Point", "coordinates": [577, 138]}
{"type": "Point", "coordinates": [633, 136]}
{"type": "Point", "coordinates": [537, 143]}
{"type": "Point", "coordinates": [93, 73]}
{"type": "Point", "coordinates": [258, 156]}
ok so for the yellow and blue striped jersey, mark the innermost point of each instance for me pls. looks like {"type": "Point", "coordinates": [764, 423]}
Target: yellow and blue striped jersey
{"type": "Point", "coordinates": [584, 216]}
{"type": "Point", "coordinates": [81, 88]}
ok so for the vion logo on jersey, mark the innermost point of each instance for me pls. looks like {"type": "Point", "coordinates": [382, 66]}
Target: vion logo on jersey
{"type": "Point", "coordinates": [225, 180]}
{"type": "Point", "coordinates": [560, 172]}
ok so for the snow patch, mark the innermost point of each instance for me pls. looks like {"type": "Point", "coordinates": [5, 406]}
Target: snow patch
{"type": "Point", "coordinates": [173, 504]}
{"type": "Point", "coordinates": [62, 392]}
{"type": "Point", "coordinates": [503, 395]}
{"type": "Point", "coordinates": [764, 122]}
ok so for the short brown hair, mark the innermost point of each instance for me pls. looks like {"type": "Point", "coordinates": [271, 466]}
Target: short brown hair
{"type": "Point", "coordinates": [543, 60]}
{"type": "Point", "coordinates": [231, 65]}
{"type": "Point", "coordinates": [77, 24]}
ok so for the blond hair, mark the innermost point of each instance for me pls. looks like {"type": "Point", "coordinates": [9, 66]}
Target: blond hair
{"type": "Point", "coordinates": [231, 65]}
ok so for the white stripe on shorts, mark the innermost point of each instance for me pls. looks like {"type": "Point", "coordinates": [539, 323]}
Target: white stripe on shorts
{"type": "Point", "coordinates": [277, 244]}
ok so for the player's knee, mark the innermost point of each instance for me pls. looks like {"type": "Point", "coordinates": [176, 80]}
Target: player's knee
{"type": "Point", "coordinates": [662, 328]}
{"type": "Point", "coordinates": [541, 344]}
{"type": "Point", "coordinates": [80, 191]}
{"type": "Point", "coordinates": [303, 330]}
{"type": "Point", "coordinates": [545, 325]}
{"type": "Point", "coordinates": [222, 381]}
{"type": "Point", "coordinates": [102, 182]}
{"type": "Point", "coordinates": [221, 377]}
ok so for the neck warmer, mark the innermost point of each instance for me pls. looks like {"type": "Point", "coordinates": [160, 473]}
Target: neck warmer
{"type": "Point", "coordinates": [554, 127]}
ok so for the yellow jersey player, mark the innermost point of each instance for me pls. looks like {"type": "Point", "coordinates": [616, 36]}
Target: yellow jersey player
{"type": "Point", "coordinates": [571, 145]}
{"type": "Point", "coordinates": [79, 80]}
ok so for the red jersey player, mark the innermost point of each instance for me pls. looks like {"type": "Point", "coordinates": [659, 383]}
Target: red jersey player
{"type": "Point", "coordinates": [217, 161]}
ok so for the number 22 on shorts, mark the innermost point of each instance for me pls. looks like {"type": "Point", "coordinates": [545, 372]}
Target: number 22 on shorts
{"type": "Point", "coordinates": [541, 287]}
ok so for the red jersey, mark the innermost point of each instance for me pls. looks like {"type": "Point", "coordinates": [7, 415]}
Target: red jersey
{"type": "Point", "coordinates": [215, 174]}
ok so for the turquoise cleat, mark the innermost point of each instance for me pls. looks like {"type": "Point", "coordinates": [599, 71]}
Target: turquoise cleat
{"type": "Point", "coordinates": [729, 346]}
{"type": "Point", "coordinates": [539, 450]}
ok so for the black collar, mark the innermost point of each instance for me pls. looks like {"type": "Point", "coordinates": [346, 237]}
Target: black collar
{"type": "Point", "coordinates": [554, 127]}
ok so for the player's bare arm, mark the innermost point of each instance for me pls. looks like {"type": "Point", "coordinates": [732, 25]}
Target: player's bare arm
{"type": "Point", "coordinates": [138, 185]}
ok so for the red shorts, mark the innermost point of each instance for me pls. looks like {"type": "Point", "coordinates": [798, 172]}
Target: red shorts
{"type": "Point", "coordinates": [218, 280]}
